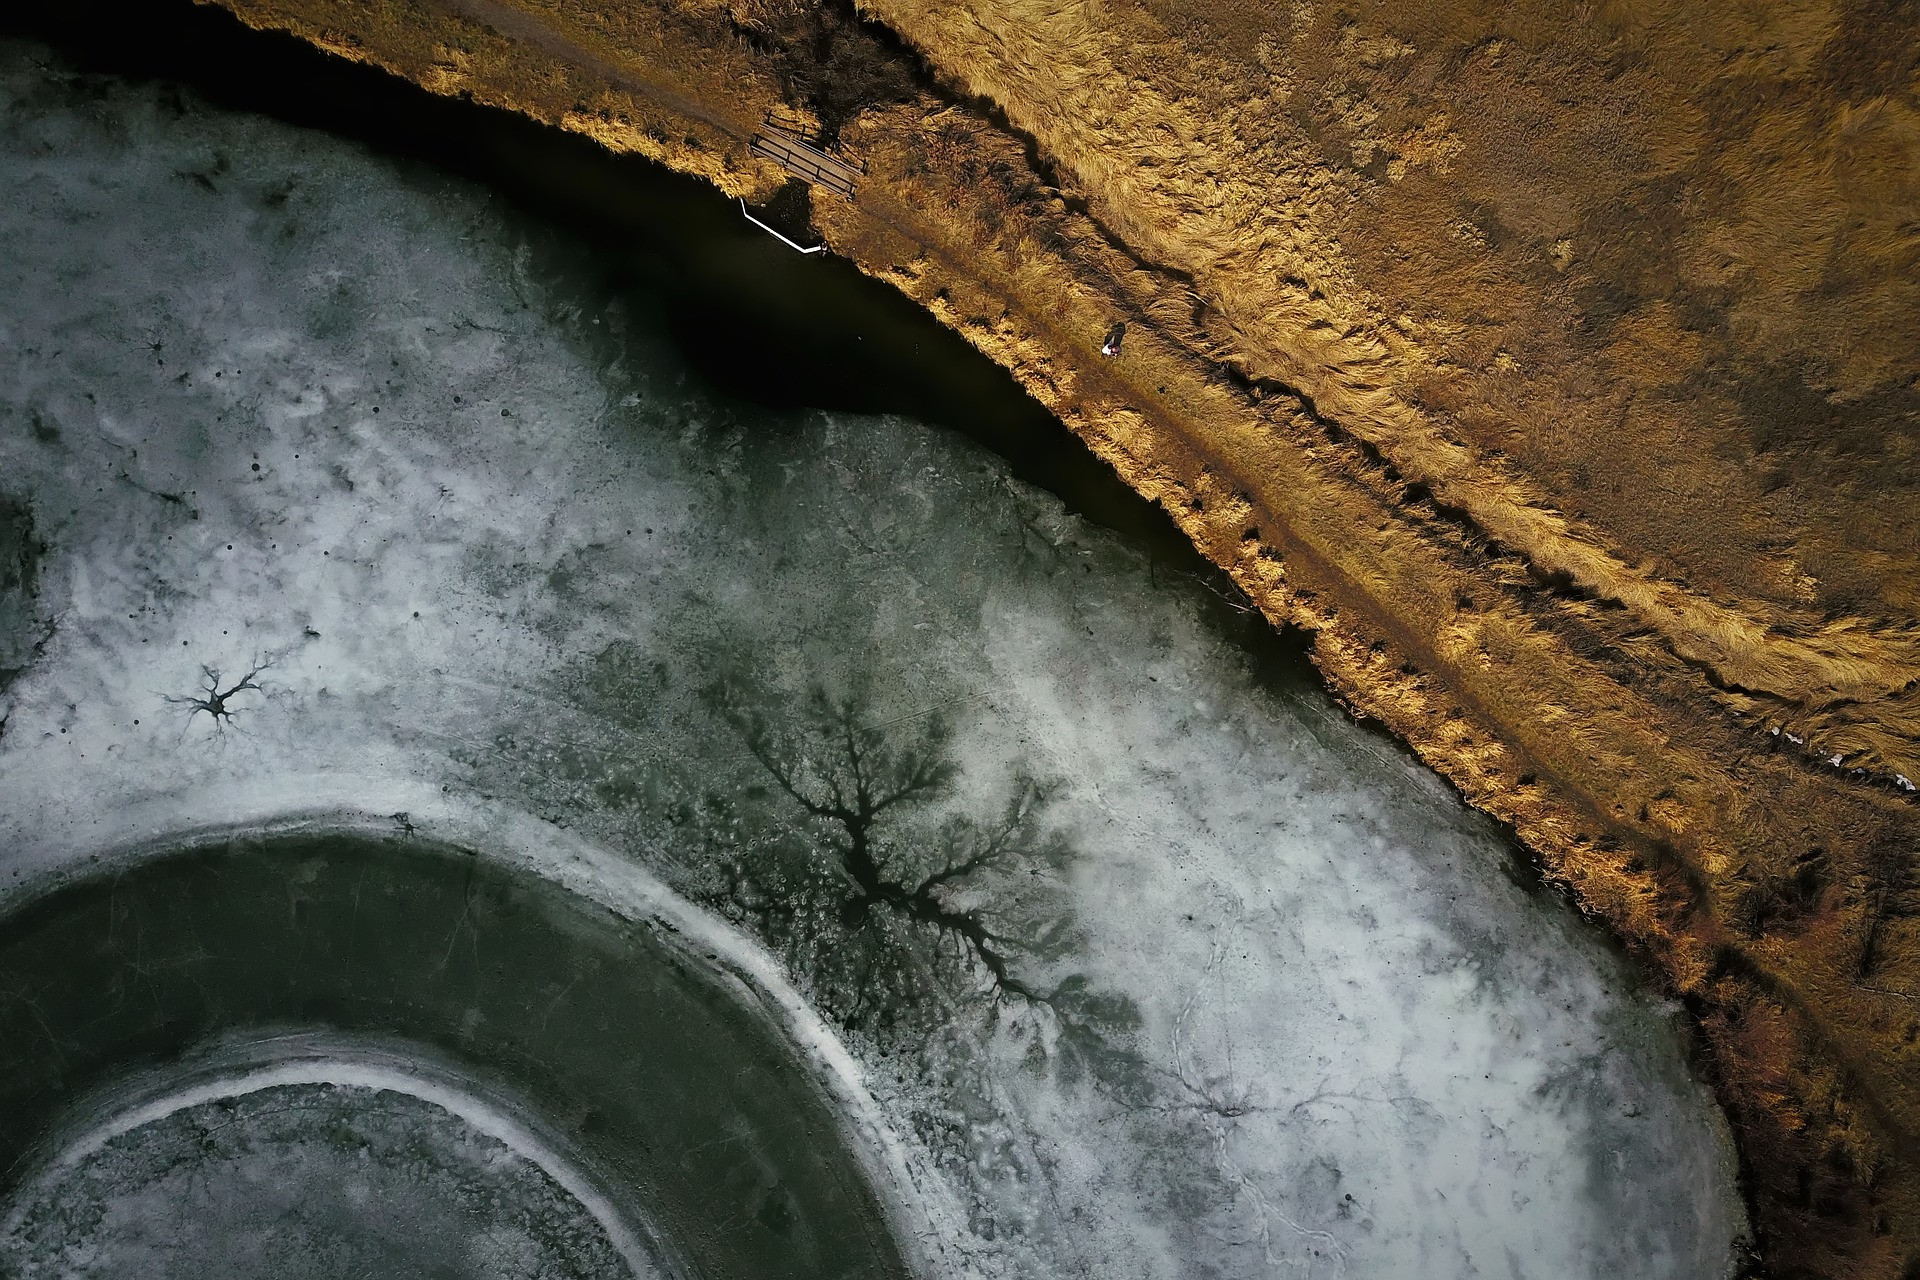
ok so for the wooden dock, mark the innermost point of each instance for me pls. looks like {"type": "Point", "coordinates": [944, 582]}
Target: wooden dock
{"type": "Point", "coordinates": [807, 162]}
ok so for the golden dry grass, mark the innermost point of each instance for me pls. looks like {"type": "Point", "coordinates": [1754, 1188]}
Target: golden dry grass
{"type": "Point", "coordinates": [1201, 166]}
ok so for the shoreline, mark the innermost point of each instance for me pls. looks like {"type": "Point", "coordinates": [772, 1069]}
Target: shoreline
{"type": "Point", "coordinates": [1620, 763]}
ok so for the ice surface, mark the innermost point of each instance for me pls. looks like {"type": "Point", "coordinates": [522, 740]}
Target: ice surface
{"type": "Point", "coordinates": [317, 1178]}
{"type": "Point", "coordinates": [1157, 968]}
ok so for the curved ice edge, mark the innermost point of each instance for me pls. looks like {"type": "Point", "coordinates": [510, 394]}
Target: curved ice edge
{"type": "Point", "coordinates": [306, 1058]}
{"type": "Point", "coordinates": [97, 833]}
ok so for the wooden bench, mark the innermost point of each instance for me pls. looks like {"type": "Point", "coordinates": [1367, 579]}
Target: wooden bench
{"type": "Point", "coordinates": [807, 162]}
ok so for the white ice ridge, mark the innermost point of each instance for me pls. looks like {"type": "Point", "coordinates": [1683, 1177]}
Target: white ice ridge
{"type": "Point", "coordinates": [317, 1062]}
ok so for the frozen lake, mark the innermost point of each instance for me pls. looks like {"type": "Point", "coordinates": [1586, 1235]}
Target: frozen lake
{"type": "Point", "coordinates": [337, 495]}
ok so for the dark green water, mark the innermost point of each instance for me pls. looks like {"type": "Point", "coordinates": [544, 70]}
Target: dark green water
{"type": "Point", "coordinates": [680, 1099]}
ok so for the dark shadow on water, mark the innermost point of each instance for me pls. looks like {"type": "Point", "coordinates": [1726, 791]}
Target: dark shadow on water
{"type": "Point", "coordinates": [758, 321]}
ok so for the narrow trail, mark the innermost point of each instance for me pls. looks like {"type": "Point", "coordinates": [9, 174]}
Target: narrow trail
{"type": "Point", "coordinates": [526, 28]}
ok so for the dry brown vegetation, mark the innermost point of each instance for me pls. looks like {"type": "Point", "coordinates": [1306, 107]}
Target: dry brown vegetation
{"type": "Point", "coordinates": [1558, 366]}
